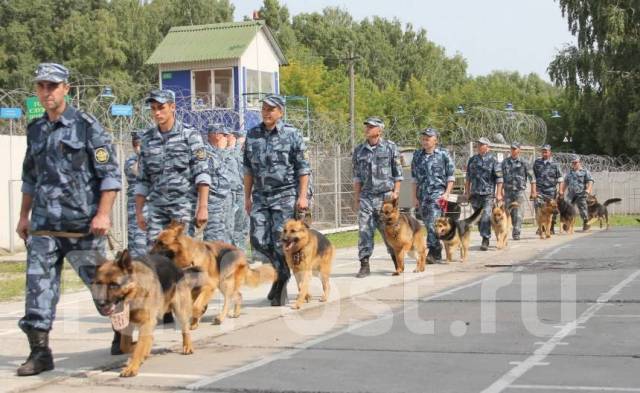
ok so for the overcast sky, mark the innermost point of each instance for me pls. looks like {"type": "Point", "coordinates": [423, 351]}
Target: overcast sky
{"type": "Point", "coordinates": [518, 35]}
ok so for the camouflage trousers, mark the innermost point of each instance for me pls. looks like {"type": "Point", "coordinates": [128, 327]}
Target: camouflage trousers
{"type": "Point", "coordinates": [216, 228]}
{"type": "Point", "coordinates": [268, 215]}
{"type": "Point", "coordinates": [580, 201]}
{"type": "Point", "coordinates": [238, 221]}
{"type": "Point", "coordinates": [517, 214]}
{"type": "Point", "coordinates": [136, 237]}
{"type": "Point", "coordinates": [160, 216]}
{"type": "Point", "coordinates": [486, 202]}
{"type": "Point", "coordinates": [368, 221]}
{"type": "Point", "coordinates": [431, 211]}
{"type": "Point", "coordinates": [45, 256]}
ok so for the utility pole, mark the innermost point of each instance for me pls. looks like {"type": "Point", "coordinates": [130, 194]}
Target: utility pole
{"type": "Point", "coordinates": [352, 98]}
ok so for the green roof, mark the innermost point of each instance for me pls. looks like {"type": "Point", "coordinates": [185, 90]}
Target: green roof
{"type": "Point", "coordinates": [211, 42]}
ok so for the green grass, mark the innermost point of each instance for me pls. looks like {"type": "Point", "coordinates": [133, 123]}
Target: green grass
{"type": "Point", "coordinates": [621, 221]}
{"type": "Point", "coordinates": [12, 280]}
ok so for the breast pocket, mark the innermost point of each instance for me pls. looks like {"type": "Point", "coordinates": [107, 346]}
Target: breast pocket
{"type": "Point", "coordinates": [383, 163]}
{"type": "Point", "coordinates": [74, 153]}
{"type": "Point", "coordinates": [279, 156]}
{"type": "Point", "coordinates": [179, 157]}
{"type": "Point", "coordinates": [152, 159]}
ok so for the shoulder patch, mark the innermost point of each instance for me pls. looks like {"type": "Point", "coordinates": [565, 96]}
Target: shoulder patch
{"type": "Point", "coordinates": [200, 154]}
{"type": "Point", "coordinates": [87, 117]}
{"type": "Point", "coordinates": [101, 155]}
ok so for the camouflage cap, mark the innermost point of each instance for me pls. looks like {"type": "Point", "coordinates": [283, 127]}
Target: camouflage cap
{"type": "Point", "coordinates": [575, 158]}
{"type": "Point", "coordinates": [161, 96]}
{"type": "Point", "coordinates": [374, 121]}
{"type": "Point", "coordinates": [546, 147]}
{"type": "Point", "coordinates": [483, 141]}
{"type": "Point", "coordinates": [136, 136]}
{"type": "Point", "coordinates": [515, 145]}
{"type": "Point", "coordinates": [429, 132]}
{"type": "Point", "coordinates": [239, 133]}
{"type": "Point", "coordinates": [51, 72]}
{"type": "Point", "coordinates": [274, 100]}
{"type": "Point", "coordinates": [218, 128]}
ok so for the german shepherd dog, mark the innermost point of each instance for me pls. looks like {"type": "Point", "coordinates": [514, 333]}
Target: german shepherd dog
{"type": "Point", "coordinates": [307, 252]}
{"type": "Point", "coordinates": [149, 287]}
{"type": "Point", "coordinates": [223, 267]}
{"type": "Point", "coordinates": [598, 211]}
{"type": "Point", "coordinates": [544, 217]}
{"type": "Point", "coordinates": [403, 234]}
{"type": "Point", "coordinates": [568, 215]}
{"type": "Point", "coordinates": [456, 233]}
{"type": "Point", "coordinates": [501, 222]}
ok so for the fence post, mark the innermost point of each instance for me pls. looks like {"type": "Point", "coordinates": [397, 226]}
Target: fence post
{"type": "Point", "coordinates": [336, 174]}
{"type": "Point", "coordinates": [339, 186]}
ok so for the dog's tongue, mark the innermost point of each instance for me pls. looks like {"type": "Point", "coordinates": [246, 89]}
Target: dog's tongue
{"type": "Point", "coordinates": [108, 310]}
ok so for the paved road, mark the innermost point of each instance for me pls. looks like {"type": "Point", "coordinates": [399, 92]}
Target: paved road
{"type": "Point", "coordinates": [554, 316]}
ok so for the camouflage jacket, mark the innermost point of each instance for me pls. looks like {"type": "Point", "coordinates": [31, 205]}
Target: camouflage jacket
{"type": "Point", "coordinates": [234, 162]}
{"type": "Point", "coordinates": [131, 169]}
{"type": "Point", "coordinates": [275, 159]}
{"type": "Point", "coordinates": [516, 172]}
{"type": "Point", "coordinates": [376, 168]}
{"type": "Point", "coordinates": [548, 176]}
{"type": "Point", "coordinates": [431, 173]}
{"type": "Point", "coordinates": [484, 172]}
{"type": "Point", "coordinates": [67, 165]}
{"type": "Point", "coordinates": [576, 182]}
{"type": "Point", "coordinates": [171, 165]}
{"type": "Point", "coordinates": [219, 171]}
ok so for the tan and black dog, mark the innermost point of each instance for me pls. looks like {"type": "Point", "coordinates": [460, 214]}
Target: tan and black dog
{"type": "Point", "coordinates": [223, 266]}
{"type": "Point", "coordinates": [598, 211]}
{"type": "Point", "coordinates": [149, 287]}
{"type": "Point", "coordinates": [544, 217]}
{"type": "Point", "coordinates": [403, 233]}
{"type": "Point", "coordinates": [568, 214]}
{"type": "Point", "coordinates": [501, 222]}
{"type": "Point", "coordinates": [456, 233]}
{"type": "Point", "coordinates": [307, 252]}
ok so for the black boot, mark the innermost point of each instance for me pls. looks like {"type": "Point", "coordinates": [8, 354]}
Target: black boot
{"type": "Point", "coordinates": [485, 244]}
{"type": "Point", "coordinates": [434, 256]}
{"type": "Point", "coordinates": [280, 295]}
{"type": "Point", "coordinates": [40, 358]}
{"type": "Point", "coordinates": [364, 268]}
{"type": "Point", "coordinates": [115, 343]}
{"type": "Point", "coordinates": [272, 291]}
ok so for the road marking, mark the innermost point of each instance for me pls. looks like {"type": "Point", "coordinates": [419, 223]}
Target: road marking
{"type": "Point", "coordinates": [617, 316]}
{"type": "Point", "coordinates": [158, 375]}
{"type": "Point", "coordinates": [301, 347]}
{"type": "Point", "coordinates": [575, 388]}
{"type": "Point", "coordinates": [541, 353]}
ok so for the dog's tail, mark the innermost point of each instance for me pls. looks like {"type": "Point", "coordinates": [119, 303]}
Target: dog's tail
{"type": "Point", "coordinates": [610, 201]}
{"type": "Point", "coordinates": [475, 216]}
{"type": "Point", "coordinates": [264, 273]}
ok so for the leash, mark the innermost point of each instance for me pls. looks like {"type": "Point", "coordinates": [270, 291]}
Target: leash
{"type": "Point", "coordinates": [77, 235]}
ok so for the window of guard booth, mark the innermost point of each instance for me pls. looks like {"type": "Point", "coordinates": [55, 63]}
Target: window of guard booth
{"type": "Point", "coordinates": [259, 84]}
{"type": "Point", "coordinates": [213, 89]}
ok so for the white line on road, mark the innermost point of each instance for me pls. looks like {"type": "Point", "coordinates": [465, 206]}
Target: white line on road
{"type": "Point", "coordinates": [541, 353]}
{"type": "Point", "coordinates": [301, 347]}
{"type": "Point", "coordinates": [575, 388]}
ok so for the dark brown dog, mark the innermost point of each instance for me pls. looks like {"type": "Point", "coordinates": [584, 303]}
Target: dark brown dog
{"type": "Point", "coordinates": [403, 234]}
{"type": "Point", "coordinates": [544, 217]}
{"type": "Point", "coordinates": [568, 215]}
{"type": "Point", "coordinates": [223, 265]}
{"type": "Point", "coordinates": [307, 252]}
{"type": "Point", "coordinates": [598, 211]}
{"type": "Point", "coordinates": [149, 287]}
{"type": "Point", "coordinates": [456, 233]}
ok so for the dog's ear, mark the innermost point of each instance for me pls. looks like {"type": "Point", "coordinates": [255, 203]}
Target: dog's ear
{"type": "Point", "coordinates": [123, 260]}
{"type": "Point", "coordinates": [395, 202]}
{"type": "Point", "coordinates": [179, 226]}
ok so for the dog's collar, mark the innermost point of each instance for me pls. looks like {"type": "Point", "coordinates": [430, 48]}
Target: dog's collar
{"type": "Point", "coordinates": [297, 257]}
{"type": "Point", "coordinates": [451, 234]}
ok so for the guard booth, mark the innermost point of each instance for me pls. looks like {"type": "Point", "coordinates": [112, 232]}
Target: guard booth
{"type": "Point", "coordinates": [216, 70]}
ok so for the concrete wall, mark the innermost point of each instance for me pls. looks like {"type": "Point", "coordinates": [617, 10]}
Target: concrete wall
{"type": "Point", "coordinates": [12, 149]}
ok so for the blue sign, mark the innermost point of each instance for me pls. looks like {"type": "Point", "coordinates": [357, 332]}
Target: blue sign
{"type": "Point", "coordinates": [10, 113]}
{"type": "Point", "coordinates": [121, 110]}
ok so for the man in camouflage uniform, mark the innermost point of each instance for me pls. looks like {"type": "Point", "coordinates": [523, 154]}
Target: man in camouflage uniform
{"type": "Point", "coordinates": [136, 237]}
{"type": "Point", "coordinates": [433, 174]}
{"type": "Point", "coordinates": [548, 176]}
{"type": "Point", "coordinates": [516, 172]}
{"type": "Point", "coordinates": [377, 175]}
{"type": "Point", "coordinates": [70, 180]}
{"type": "Point", "coordinates": [579, 184]}
{"type": "Point", "coordinates": [220, 170]}
{"type": "Point", "coordinates": [173, 164]}
{"type": "Point", "coordinates": [483, 183]}
{"type": "Point", "coordinates": [237, 219]}
{"type": "Point", "coordinates": [276, 175]}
